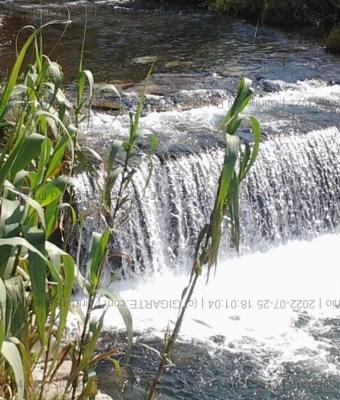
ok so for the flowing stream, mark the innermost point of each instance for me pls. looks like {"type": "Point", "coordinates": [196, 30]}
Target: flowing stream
{"type": "Point", "coordinates": [266, 326]}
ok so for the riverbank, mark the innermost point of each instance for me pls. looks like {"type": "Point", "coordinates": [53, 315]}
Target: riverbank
{"type": "Point", "coordinates": [287, 13]}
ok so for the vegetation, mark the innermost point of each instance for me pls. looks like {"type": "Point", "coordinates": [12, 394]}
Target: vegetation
{"type": "Point", "coordinates": [333, 41]}
{"type": "Point", "coordinates": [238, 160]}
{"type": "Point", "coordinates": [284, 12]}
{"type": "Point", "coordinates": [39, 152]}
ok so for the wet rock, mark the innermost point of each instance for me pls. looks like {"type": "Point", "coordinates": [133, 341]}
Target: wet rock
{"type": "Point", "coordinates": [144, 60]}
{"type": "Point", "coordinates": [6, 43]}
{"type": "Point", "coordinates": [177, 64]}
{"type": "Point", "coordinates": [334, 82]}
{"type": "Point", "coordinates": [269, 86]}
{"type": "Point", "coordinates": [179, 149]}
{"type": "Point", "coordinates": [102, 396]}
{"type": "Point", "coordinates": [218, 339]}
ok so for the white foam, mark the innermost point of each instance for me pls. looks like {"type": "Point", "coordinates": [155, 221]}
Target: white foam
{"type": "Point", "coordinates": [300, 270]}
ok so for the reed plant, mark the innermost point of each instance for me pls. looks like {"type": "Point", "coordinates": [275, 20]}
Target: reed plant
{"type": "Point", "coordinates": [238, 160]}
{"type": "Point", "coordinates": [38, 152]}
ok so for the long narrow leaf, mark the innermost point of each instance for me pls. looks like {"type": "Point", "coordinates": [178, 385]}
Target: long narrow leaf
{"type": "Point", "coordinates": [10, 352]}
{"type": "Point", "coordinates": [122, 308]}
{"type": "Point", "coordinates": [38, 275]}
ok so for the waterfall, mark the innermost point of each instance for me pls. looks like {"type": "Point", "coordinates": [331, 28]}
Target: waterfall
{"type": "Point", "coordinates": [293, 191]}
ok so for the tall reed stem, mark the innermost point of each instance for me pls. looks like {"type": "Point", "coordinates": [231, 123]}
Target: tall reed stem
{"type": "Point", "coordinates": [171, 341]}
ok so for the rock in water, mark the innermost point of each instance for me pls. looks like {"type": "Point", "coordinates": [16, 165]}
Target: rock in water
{"type": "Point", "coordinates": [102, 396]}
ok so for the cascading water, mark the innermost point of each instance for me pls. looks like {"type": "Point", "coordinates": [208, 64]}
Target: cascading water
{"type": "Point", "coordinates": [266, 323]}
{"type": "Point", "coordinates": [292, 192]}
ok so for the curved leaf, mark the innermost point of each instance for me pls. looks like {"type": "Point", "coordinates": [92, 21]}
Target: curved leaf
{"type": "Point", "coordinates": [98, 248]}
{"type": "Point", "coordinates": [10, 352]}
{"type": "Point", "coordinates": [122, 308]}
{"type": "Point", "coordinates": [38, 275]}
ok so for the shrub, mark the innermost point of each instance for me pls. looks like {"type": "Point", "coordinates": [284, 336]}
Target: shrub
{"type": "Point", "coordinates": [333, 41]}
{"type": "Point", "coordinates": [38, 152]}
{"type": "Point", "coordinates": [290, 12]}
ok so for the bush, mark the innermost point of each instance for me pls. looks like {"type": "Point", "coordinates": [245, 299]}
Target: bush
{"type": "Point", "coordinates": [333, 41]}
{"type": "Point", "coordinates": [290, 12]}
{"type": "Point", "coordinates": [38, 153]}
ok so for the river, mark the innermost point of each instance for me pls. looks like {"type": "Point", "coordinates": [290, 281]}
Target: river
{"type": "Point", "coordinates": [266, 326]}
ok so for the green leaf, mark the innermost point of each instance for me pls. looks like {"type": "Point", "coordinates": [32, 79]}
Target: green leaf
{"type": "Point", "coordinates": [2, 299]}
{"type": "Point", "coordinates": [110, 181]}
{"type": "Point", "coordinates": [123, 310]}
{"type": "Point", "coordinates": [38, 275]}
{"type": "Point", "coordinates": [10, 217]}
{"type": "Point", "coordinates": [115, 147]}
{"type": "Point", "coordinates": [52, 190]}
{"type": "Point", "coordinates": [14, 75]}
{"type": "Point", "coordinates": [37, 175]}
{"type": "Point", "coordinates": [233, 207]}
{"type": "Point", "coordinates": [98, 248]}
{"type": "Point", "coordinates": [2, 311]}
{"type": "Point", "coordinates": [90, 390]}
{"type": "Point", "coordinates": [95, 330]}
{"type": "Point", "coordinates": [21, 155]}
{"type": "Point", "coordinates": [228, 171]}
{"type": "Point", "coordinates": [65, 291]}
{"type": "Point", "coordinates": [154, 142]}
{"type": "Point", "coordinates": [232, 120]}
{"type": "Point", "coordinates": [16, 308]}
{"type": "Point", "coordinates": [10, 352]}
{"type": "Point", "coordinates": [21, 242]}
{"type": "Point", "coordinates": [83, 76]}
{"type": "Point", "coordinates": [32, 203]}
{"type": "Point", "coordinates": [57, 156]}
{"type": "Point", "coordinates": [69, 132]}
{"type": "Point", "coordinates": [9, 226]}
{"type": "Point", "coordinates": [256, 128]}
{"type": "Point", "coordinates": [54, 70]}
{"type": "Point", "coordinates": [27, 152]}
{"type": "Point", "coordinates": [51, 217]}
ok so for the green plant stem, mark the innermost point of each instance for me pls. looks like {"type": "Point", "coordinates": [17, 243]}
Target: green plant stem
{"type": "Point", "coordinates": [121, 186]}
{"type": "Point", "coordinates": [46, 358]}
{"type": "Point", "coordinates": [171, 341]}
{"type": "Point", "coordinates": [16, 260]}
{"type": "Point", "coordinates": [92, 298]}
{"type": "Point", "coordinates": [82, 344]}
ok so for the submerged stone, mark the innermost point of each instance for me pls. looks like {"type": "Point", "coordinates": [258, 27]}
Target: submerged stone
{"type": "Point", "coordinates": [144, 60]}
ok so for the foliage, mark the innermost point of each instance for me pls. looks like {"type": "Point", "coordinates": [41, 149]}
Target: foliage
{"type": "Point", "coordinates": [290, 12]}
{"type": "Point", "coordinates": [38, 151]}
{"type": "Point", "coordinates": [38, 154]}
{"type": "Point", "coordinates": [333, 41]}
{"type": "Point", "coordinates": [238, 160]}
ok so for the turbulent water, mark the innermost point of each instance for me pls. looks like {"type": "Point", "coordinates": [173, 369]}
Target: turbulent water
{"type": "Point", "coordinates": [267, 324]}
{"type": "Point", "coordinates": [265, 327]}
{"type": "Point", "coordinates": [292, 192]}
